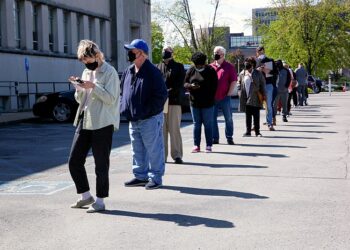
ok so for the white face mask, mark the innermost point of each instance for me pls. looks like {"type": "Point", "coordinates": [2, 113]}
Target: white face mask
{"type": "Point", "coordinates": [199, 70]}
{"type": "Point", "coordinates": [261, 57]}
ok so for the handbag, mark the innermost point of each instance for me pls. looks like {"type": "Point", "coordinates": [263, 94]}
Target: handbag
{"type": "Point", "coordinates": [260, 97]}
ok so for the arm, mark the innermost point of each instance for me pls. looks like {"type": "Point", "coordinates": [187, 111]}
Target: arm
{"type": "Point", "coordinates": [233, 81]}
{"type": "Point", "coordinates": [110, 91]}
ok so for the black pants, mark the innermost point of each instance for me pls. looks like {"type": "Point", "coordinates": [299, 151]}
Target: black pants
{"type": "Point", "coordinates": [292, 95]}
{"type": "Point", "coordinates": [100, 141]}
{"type": "Point", "coordinates": [255, 112]}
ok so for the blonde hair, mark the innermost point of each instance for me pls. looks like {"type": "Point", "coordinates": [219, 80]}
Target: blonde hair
{"type": "Point", "coordinates": [88, 48]}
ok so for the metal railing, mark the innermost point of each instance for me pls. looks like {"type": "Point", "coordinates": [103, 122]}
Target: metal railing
{"type": "Point", "coordinates": [21, 96]}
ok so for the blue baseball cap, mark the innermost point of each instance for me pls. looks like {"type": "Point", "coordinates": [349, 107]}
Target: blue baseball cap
{"type": "Point", "coordinates": [137, 44]}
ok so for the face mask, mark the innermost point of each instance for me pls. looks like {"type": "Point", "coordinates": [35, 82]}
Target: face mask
{"type": "Point", "coordinates": [131, 56]}
{"type": "Point", "coordinates": [199, 70]}
{"type": "Point", "coordinates": [217, 57]}
{"type": "Point", "coordinates": [166, 55]}
{"type": "Point", "coordinates": [91, 66]}
{"type": "Point", "coordinates": [261, 57]}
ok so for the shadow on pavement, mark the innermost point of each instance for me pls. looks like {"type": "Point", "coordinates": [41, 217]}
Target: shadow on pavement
{"type": "Point", "coordinates": [308, 131]}
{"type": "Point", "coordinates": [214, 192]}
{"type": "Point", "coordinates": [178, 219]}
{"type": "Point", "coordinates": [304, 126]}
{"type": "Point", "coordinates": [294, 137]}
{"type": "Point", "coordinates": [213, 165]}
{"type": "Point", "coordinates": [252, 154]}
{"type": "Point", "coordinates": [270, 146]}
{"type": "Point", "coordinates": [310, 122]}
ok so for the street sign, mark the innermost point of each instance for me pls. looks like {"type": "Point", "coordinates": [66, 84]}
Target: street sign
{"type": "Point", "coordinates": [26, 64]}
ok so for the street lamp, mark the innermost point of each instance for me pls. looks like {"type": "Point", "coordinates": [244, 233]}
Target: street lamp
{"type": "Point", "coordinates": [238, 65]}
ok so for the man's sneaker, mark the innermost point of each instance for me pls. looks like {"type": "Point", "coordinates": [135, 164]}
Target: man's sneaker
{"type": "Point", "coordinates": [271, 128]}
{"type": "Point", "coordinates": [285, 119]}
{"type": "Point", "coordinates": [95, 207]}
{"type": "Point", "coordinates": [246, 134]}
{"type": "Point", "coordinates": [196, 149]}
{"type": "Point", "coordinates": [135, 183]}
{"type": "Point", "coordinates": [178, 160]}
{"type": "Point", "coordinates": [230, 142]}
{"type": "Point", "coordinates": [152, 185]}
{"type": "Point", "coordinates": [258, 135]}
{"type": "Point", "coordinates": [215, 141]}
{"type": "Point", "coordinates": [208, 149]}
{"type": "Point", "coordinates": [82, 203]}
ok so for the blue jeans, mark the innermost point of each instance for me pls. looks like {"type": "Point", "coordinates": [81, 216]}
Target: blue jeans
{"type": "Point", "coordinates": [269, 100]}
{"type": "Point", "coordinates": [148, 148]}
{"type": "Point", "coordinates": [301, 94]}
{"type": "Point", "coordinates": [202, 116]}
{"type": "Point", "coordinates": [225, 106]}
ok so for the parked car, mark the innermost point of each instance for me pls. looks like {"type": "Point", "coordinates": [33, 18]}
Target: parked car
{"type": "Point", "coordinates": [314, 84]}
{"type": "Point", "coordinates": [60, 106]}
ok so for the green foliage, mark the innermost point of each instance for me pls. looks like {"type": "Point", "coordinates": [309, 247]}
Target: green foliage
{"type": "Point", "coordinates": [182, 54]}
{"type": "Point", "coordinates": [157, 42]}
{"type": "Point", "coordinates": [310, 31]}
{"type": "Point", "coordinates": [237, 59]}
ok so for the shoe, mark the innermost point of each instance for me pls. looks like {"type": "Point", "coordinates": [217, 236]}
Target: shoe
{"type": "Point", "coordinates": [196, 149]}
{"type": "Point", "coordinates": [230, 142]}
{"type": "Point", "coordinates": [152, 185]}
{"type": "Point", "coordinates": [285, 119]}
{"type": "Point", "coordinates": [208, 149]}
{"type": "Point", "coordinates": [82, 203]}
{"type": "Point", "coordinates": [271, 128]}
{"type": "Point", "coordinates": [265, 123]}
{"type": "Point", "coordinates": [306, 103]}
{"type": "Point", "coordinates": [259, 135]}
{"type": "Point", "coordinates": [178, 160]}
{"type": "Point", "coordinates": [246, 134]}
{"type": "Point", "coordinates": [215, 141]}
{"type": "Point", "coordinates": [135, 183]}
{"type": "Point", "coordinates": [95, 207]}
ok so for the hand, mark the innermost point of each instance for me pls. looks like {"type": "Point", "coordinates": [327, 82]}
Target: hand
{"type": "Point", "coordinates": [87, 85]}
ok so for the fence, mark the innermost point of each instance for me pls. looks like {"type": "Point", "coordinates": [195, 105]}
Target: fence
{"type": "Point", "coordinates": [21, 96]}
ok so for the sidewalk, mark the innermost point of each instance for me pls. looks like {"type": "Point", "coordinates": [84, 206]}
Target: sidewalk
{"type": "Point", "coordinates": [6, 118]}
{"type": "Point", "coordinates": [286, 190]}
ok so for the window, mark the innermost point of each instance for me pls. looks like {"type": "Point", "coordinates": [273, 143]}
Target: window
{"type": "Point", "coordinates": [51, 20]}
{"type": "Point", "coordinates": [16, 15]}
{"type": "Point", "coordinates": [102, 35]}
{"type": "Point", "coordinates": [65, 31]}
{"type": "Point", "coordinates": [91, 33]}
{"type": "Point", "coordinates": [35, 27]}
{"type": "Point", "coordinates": [79, 27]}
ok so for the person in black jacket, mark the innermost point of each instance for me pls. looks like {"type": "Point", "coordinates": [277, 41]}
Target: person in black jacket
{"type": "Point", "coordinates": [201, 80]}
{"type": "Point", "coordinates": [173, 74]}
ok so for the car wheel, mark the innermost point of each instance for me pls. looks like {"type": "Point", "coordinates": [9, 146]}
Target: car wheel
{"type": "Point", "coordinates": [317, 89]}
{"type": "Point", "coordinates": [62, 112]}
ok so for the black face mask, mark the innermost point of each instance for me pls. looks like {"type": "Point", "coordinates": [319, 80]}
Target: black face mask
{"type": "Point", "coordinates": [247, 66]}
{"type": "Point", "coordinates": [91, 66]}
{"type": "Point", "coordinates": [131, 56]}
{"type": "Point", "coordinates": [166, 55]}
{"type": "Point", "coordinates": [217, 57]}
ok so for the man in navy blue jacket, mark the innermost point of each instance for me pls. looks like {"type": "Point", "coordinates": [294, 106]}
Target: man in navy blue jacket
{"type": "Point", "coordinates": [143, 95]}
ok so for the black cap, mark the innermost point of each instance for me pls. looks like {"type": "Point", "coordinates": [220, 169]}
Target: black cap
{"type": "Point", "coordinates": [260, 48]}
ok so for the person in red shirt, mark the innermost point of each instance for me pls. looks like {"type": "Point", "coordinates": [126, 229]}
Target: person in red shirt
{"type": "Point", "coordinates": [227, 77]}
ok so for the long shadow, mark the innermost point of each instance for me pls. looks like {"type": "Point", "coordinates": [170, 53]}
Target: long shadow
{"type": "Point", "coordinates": [179, 219]}
{"type": "Point", "coordinates": [308, 131]}
{"type": "Point", "coordinates": [252, 154]}
{"type": "Point", "coordinates": [304, 126]}
{"type": "Point", "coordinates": [270, 146]}
{"type": "Point", "coordinates": [216, 165]}
{"type": "Point", "coordinates": [311, 122]}
{"type": "Point", "coordinates": [214, 192]}
{"type": "Point", "coordinates": [312, 116]}
{"type": "Point", "coordinates": [306, 110]}
{"type": "Point", "coordinates": [294, 137]}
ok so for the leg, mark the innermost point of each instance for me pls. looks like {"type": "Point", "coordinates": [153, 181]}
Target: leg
{"type": "Point", "coordinates": [277, 99]}
{"type": "Point", "coordinates": [284, 99]}
{"type": "Point", "coordinates": [152, 136]}
{"type": "Point", "coordinates": [301, 93]}
{"type": "Point", "coordinates": [226, 109]}
{"type": "Point", "coordinates": [289, 102]}
{"type": "Point", "coordinates": [269, 92]}
{"type": "Point", "coordinates": [80, 148]}
{"type": "Point", "coordinates": [165, 133]}
{"type": "Point", "coordinates": [295, 97]}
{"type": "Point", "coordinates": [248, 119]}
{"type": "Point", "coordinates": [174, 122]}
{"type": "Point", "coordinates": [207, 116]}
{"type": "Point", "coordinates": [139, 153]}
{"type": "Point", "coordinates": [101, 149]}
{"type": "Point", "coordinates": [215, 122]}
{"type": "Point", "coordinates": [197, 125]}
{"type": "Point", "coordinates": [256, 116]}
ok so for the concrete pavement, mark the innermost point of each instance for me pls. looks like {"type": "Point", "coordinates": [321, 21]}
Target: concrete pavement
{"type": "Point", "coordinates": [286, 190]}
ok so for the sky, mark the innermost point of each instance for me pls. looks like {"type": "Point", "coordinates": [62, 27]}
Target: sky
{"type": "Point", "coordinates": [232, 13]}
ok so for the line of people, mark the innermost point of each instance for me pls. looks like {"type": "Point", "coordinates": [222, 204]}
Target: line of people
{"type": "Point", "coordinates": [149, 97]}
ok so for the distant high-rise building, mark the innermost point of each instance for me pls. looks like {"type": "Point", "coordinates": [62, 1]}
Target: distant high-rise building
{"type": "Point", "coordinates": [262, 16]}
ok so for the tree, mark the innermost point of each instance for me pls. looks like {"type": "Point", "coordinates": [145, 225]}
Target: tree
{"type": "Point", "coordinates": [180, 17]}
{"type": "Point", "coordinates": [182, 54]}
{"type": "Point", "coordinates": [157, 42]}
{"type": "Point", "coordinates": [314, 32]}
{"type": "Point", "coordinates": [237, 59]}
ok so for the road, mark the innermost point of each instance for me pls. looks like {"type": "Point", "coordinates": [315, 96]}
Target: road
{"type": "Point", "coordinates": [286, 190]}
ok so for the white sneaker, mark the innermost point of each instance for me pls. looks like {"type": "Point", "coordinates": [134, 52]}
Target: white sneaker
{"type": "Point", "coordinates": [82, 203]}
{"type": "Point", "coordinates": [95, 207]}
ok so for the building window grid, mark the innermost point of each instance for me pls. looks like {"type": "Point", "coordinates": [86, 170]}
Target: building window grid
{"type": "Point", "coordinates": [65, 31]}
{"type": "Point", "coordinates": [35, 27]}
{"type": "Point", "coordinates": [17, 23]}
{"type": "Point", "coordinates": [245, 41]}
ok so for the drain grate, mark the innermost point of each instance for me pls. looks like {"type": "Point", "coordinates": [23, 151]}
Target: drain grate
{"type": "Point", "coordinates": [33, 187]}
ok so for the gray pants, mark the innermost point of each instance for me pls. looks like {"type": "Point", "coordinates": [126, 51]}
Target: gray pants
{"type": "Point", "coordinates": [172, 122]}
{"type": "Point", "coordinates": [301, 94]}
{"type": "Point", "coordinates": [283, 97]}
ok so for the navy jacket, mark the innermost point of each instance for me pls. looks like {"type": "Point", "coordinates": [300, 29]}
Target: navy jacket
{"type": "Point", "coordinates": [143, 94]}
